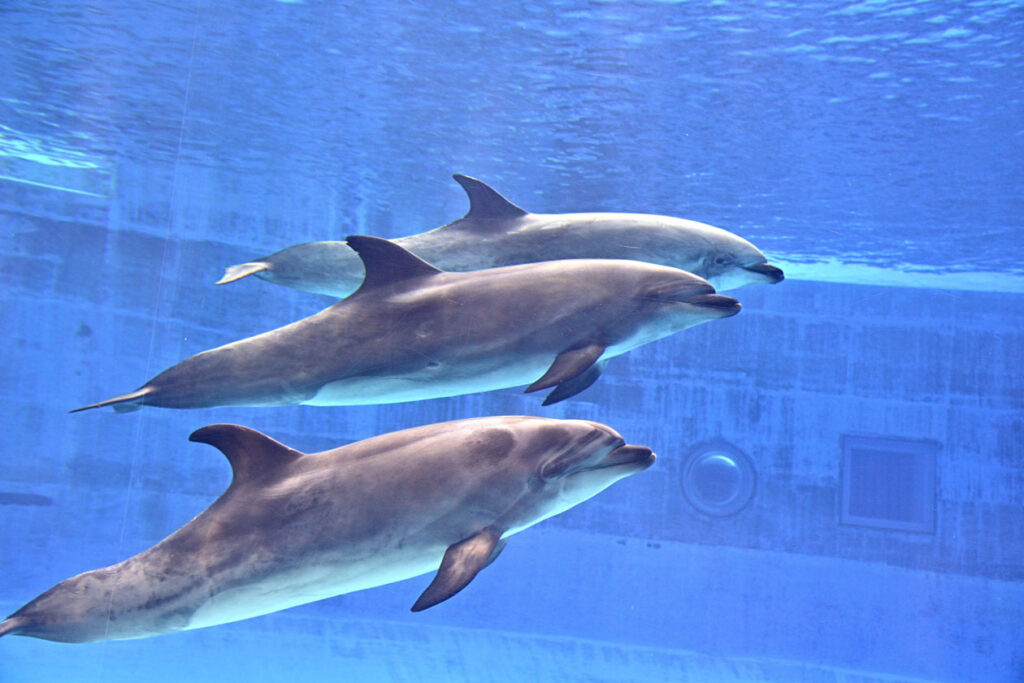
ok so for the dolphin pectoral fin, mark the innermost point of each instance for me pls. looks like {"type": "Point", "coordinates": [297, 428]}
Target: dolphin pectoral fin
{"type": "Point", "coordinates": [237, 272]}
{"type": "Point", "coordinates": [577, 384]}
{"type": "Point", "coordinates": [462, 561]}
{"type": "Point", "coordinates": [494, 553]}
{"type": "Point", "coordinates": [569, 365]}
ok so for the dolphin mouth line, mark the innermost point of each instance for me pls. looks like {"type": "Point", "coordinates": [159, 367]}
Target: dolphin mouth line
{"type": "Point", "coordinates": [627, 454]}
{"type": "Point", "coordinates": [726, 304]}
{"type": "Point", "coordinates": [773, 273]}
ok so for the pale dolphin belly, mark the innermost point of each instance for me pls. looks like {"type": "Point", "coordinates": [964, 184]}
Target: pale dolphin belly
{"type": "Point", "coordinates": [433, 382]}
{"type": "Point", "coordinates": [455, 379]}
{"type": "Point", "coordinates": [312, 582]}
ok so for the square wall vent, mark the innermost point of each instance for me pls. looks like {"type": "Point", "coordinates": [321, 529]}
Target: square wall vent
{"type": "Point", "coordinates": [888, 483]}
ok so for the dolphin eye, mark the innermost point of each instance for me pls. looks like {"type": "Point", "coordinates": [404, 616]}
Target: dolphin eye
{"type": "Point", "coordinates": [721, 260]}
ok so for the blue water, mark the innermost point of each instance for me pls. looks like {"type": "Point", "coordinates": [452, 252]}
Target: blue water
{"type": "Point", "coordinates": [874, 150]}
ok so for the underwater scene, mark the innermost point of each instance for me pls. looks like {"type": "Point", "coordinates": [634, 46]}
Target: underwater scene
{"type": "Point", "coordinates": [569, 341]}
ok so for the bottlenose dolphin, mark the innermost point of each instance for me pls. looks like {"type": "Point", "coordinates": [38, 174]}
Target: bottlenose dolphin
{"type": "Point", "coordinates": [293, 528]}
{"type": "Point", "coordinates": [496, 232]}
{"type": "Point", "coordinates": [414, 332]}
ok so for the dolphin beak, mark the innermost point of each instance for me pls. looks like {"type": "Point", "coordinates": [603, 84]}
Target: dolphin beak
{"type": "Point", "coordinates": [640, 456]}
{"type": "Point", "coordinates": [724, 306]}
{"type": "Point", "coordinates": [772, 273]}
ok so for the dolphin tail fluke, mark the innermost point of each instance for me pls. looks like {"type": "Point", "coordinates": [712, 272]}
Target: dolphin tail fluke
{"type": "Point", "coordinates": [237, 272]}
{"type": "Point", "coordinates": [124, 403]}
{"type": "Point", "coordinates": [10, 625]}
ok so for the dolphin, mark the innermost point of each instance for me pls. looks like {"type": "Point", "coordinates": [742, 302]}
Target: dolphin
{"type": "Point", "coordinates": [496, 232]}
{"type": "Point", "coordinates": [293, 528]}
{"type": "Point", "coordinates": [414, 332]}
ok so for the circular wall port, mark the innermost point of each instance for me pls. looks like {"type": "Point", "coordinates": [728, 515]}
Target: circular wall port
{"type": "Point", "coordinates": [718, 479]}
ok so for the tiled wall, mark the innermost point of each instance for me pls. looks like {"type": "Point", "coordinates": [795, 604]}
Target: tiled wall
{"type": "Point", "coordinates": [98, 296]}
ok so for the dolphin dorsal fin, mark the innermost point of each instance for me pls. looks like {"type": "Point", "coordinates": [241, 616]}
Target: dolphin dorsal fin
{"type": "Point", "coordinates": [387, 263]}
{"type": "Point", "coordinates": [484, 202]}
{"type": "Point", "coordinates": [252, 454]}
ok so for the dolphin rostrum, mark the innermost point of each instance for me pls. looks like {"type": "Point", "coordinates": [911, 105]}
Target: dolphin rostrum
{"type": "Point", "coordinates": [414, 332]}
{"type": "Point", "coordinates": [293, 528]}
{"type": "Point", "coordinates": [496, 232]}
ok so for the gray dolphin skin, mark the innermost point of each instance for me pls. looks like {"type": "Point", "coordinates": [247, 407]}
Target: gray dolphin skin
{"type": "Point", "coordinates": [414, 332]}
{"type": "Point", "coordinates": [496, 232]}
{"type": "Point", "coordinates": [293, 528]}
